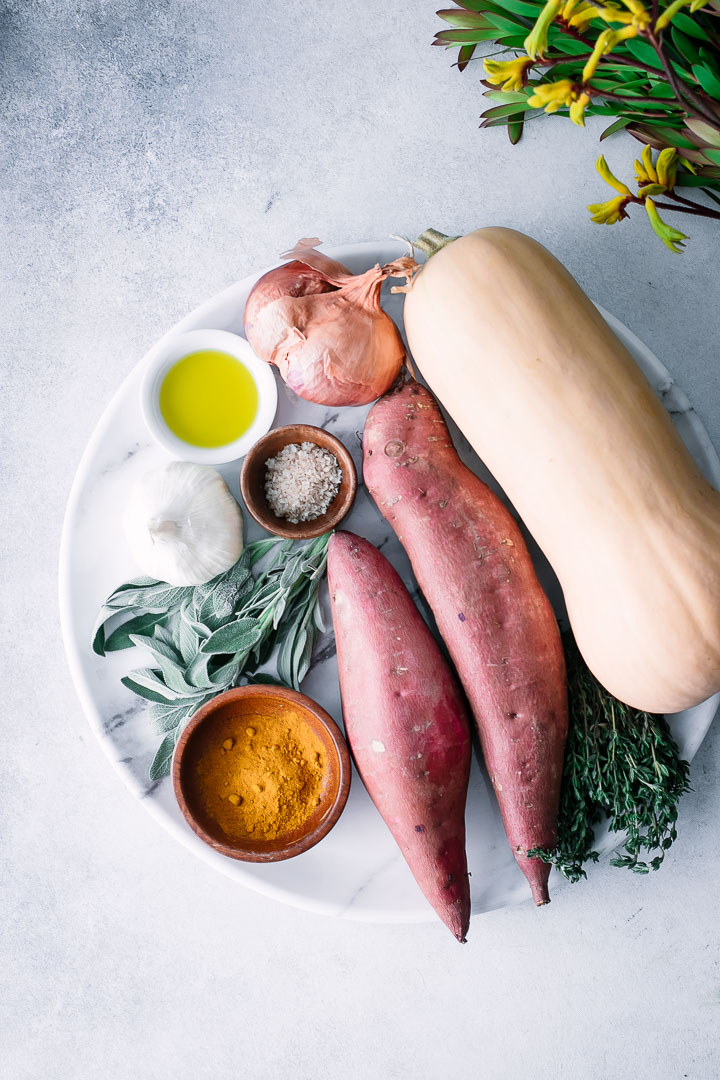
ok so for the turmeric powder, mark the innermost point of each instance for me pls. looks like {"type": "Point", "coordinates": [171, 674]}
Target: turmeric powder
{"type": "Point", "coordinates": [261, 776]}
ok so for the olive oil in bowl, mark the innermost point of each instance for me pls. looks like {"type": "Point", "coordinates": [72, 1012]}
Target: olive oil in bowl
{"type": "Point", "coordinates": [208, 398]}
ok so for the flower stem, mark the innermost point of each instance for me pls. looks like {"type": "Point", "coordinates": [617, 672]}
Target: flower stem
{"type": "Point", "coordinates": [687, 98]}
{"type": "Point", "coordinates": [699, 211]}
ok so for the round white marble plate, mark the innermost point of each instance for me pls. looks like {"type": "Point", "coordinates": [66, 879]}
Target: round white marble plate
{"type": "Point", "coordinates": [357, 872]}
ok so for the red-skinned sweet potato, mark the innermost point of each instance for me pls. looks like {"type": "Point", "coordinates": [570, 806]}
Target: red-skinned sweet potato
{"type": "Point", "coordinates": [472, 564]}
{"type": "Point", "coordinates": [406, 721]}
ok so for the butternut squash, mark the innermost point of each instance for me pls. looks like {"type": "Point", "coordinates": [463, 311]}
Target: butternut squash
{"type": "Point", "coordinates": [566, 421]}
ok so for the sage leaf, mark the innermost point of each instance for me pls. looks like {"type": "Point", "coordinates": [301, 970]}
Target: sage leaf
{"type": "Point", "coordinates": [167, 717]}
{"type": "Point", "coordinates": [162, 633]}
{"type": "Point", "coordinates": [197, 673]}
{"type": "Point", "coordinates": [285, 656]}
{"type": "Point", "coordinates": [226, 675]}
{"type": "Point", "coordinates": [203, 638]}
{"type": "Point", "coordinates": [302, 654]}
{"type": "Point", "coordinates": [160, 649]}
{"type": "Point", "coordinates": [265, 679]}
{"type": "Point", "coordinates": [161, 762]}
{"type": "Point", "coordinates": [145, 683]}
{"type": "Point", "coordinates": [278, 611]}
{"type": "Point", "coordinates": [318, 617]}
{"type": "Point", "coordinates": [188, 640]}
{"type": "Point", "coordinates": [237, 636]}
{"type": "Point", "coordinates": [291, 573]}
{"type": "Point", "coordinates": [158, 597]}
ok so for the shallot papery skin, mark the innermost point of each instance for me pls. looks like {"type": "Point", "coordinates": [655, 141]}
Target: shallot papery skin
{"type": "Point", "coordinates": [324, 329]}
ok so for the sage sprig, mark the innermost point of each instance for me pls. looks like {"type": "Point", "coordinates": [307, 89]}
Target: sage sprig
{"type": "Point", "coordinates": [203, 639]}
{"type": "Point", "coordinates": [621, 765]}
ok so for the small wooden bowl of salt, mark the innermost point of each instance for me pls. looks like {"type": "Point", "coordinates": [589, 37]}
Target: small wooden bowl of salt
{"type": "Point", "coordinates": [298, 481]}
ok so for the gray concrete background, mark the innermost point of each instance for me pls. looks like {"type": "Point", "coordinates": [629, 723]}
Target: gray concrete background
{"type": "Point", "coordinates": [151, 154]}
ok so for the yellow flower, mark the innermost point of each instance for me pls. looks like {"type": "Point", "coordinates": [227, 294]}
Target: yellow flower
{"type": "Point", "coordinates": [552, 96]}
{"type": "Point", "coordinates": [577, 110]}
{"type": "Point", "coordinates": [604, 169]}
{"type": "Point", "coordinates": [510, 74]}
{"type": "Point", "coordinates": [608, 213]}
{"type": "Point", "coordinates": [671, 238]}
{"type": "Point", "coordinates": [670, 12]}
{"type": "Point", "coordinates": [666, 167]}
{"type": "Point", "coordinates": [645, 170]}
{"type": "Point", "coordinates": [637, 15]}
{"type": "Point", "coordinates": [536, 41]}
{"type": "Point", "coordinates": [640, 14]}
{"type": "Point", "coordinates": [577, 14]}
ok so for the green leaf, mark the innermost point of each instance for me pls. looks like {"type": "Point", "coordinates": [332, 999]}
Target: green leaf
{"type": "Point", "coordinates": [135, 584]}
{"type": "Point", "coordinates": [477, 36]}
{"type": "Point", "coordinates": [285, 656]}
{"type": "Point", "coordinates": [145, 683]}
{"type": "Point", "coordinates": [197, 673]}
{"type": "Point", "coordinates": [515, 131]}
{"type": "Point", "coordinates": [703, 130]}
{"type": "Point", "coordinates": [465, 55]}
{"type": "Point", "coordinates": [712, 155]}
{"type": "Point", "coordinates": [265, 680]}
{"type": "Point", "coordinates": [155, 597]}
{"type": "Point", "coordinates": [291, 573]}
{"type": "Point", "coordinates": [662, 90]}
{"type": "Point", "coordinates": [504, 97]}
{"type": "Point", "coordinates": [167, 717]}
{"type": "Point", "coordinates": [454, 37]}
{"type": "Point", "coordinates": [458, 17]}
{"type": "Point", "coordinates": [505, 110]}
{"type": "Point", "coordinates": [226, 675]}
{"type": "Point", "coordinates": [519, 7]}
{"type": "Point", "coordinates": [188, 640]}
{"type": "Point", "coordinates": [302, 655]}
{"type": "Point", "coordinates": [160, 649]}
{"type": "Point", "coordinates": [99, 641]}
{"type": "Point", "coordinates": [567, 45]}
{"type": "Point", "coordinates": [258, 549]}
{"type": "Point", "coordinates": [161, 762]}
{"type": "Point", "coordinates": [121, 638]}
{"type": "Point", "coordinates": [690, 26]}
{"type": "Point", "coordinates": [708, 80]}
{"type": "Point", "coordinates": [617, 125]}
{"type": "Point", "coordinates": [644, 52]}
{"type": "Point", "coordinates": [703, 181]}
{"type": "Point", "coordinates": [671, 136]}
{"type": "Point", "coordinates": [318, 618]}
{"type": "Point", "coordinates": [684, 46]}
{"type": "Point", "coordinates": [237, 636]}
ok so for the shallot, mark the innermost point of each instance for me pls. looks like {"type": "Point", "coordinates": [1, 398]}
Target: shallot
{"type": "Point", "coordinates": [324, 329]}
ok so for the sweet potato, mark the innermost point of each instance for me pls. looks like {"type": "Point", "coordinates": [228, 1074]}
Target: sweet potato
{"type": "Point", "coordinates": [406, 721]}
{"type": "Point", "coordinates": [472, 564]}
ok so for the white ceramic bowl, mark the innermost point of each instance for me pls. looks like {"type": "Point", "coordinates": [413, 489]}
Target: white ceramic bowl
{"type": "Point", "coordinates": [172, 349]}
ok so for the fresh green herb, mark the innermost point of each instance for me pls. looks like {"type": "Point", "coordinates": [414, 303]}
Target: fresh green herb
{"type": "Point", "coordinates": [652, 70]}
{"type": "Point", "coordinates": [620, 764]}
{"type": "Point", "coordinates": [203, 639]}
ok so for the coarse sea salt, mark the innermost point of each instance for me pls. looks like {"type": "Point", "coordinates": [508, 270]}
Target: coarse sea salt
{"type": "Point", "coordinates": [301, 481]}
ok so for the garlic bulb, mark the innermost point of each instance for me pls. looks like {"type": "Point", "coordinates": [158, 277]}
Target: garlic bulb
{"type": "Point", "coordinates": [183, 525]}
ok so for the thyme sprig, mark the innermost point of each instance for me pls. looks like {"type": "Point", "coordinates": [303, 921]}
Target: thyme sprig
{"type": "Point", "coordinates": [203, 639]}
{"type": "Point", "coordinates": [621, 765]}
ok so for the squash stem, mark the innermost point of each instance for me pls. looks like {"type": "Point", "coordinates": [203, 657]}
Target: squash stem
{"type": "Point", "coordinates": [431, 241]}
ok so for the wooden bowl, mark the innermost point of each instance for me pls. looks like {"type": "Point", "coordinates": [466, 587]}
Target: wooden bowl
{"type": "Point", "coordinates": [252, 481]}
{"type": "Point", "coordinates": [217, 718]}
